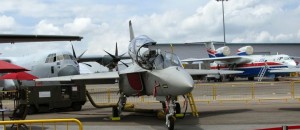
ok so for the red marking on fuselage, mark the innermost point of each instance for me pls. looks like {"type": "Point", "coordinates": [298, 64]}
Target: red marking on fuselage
{"type": "Point", "coordinates": [255, 64]}
{"type": "Point", "coordinates": [135, 81]}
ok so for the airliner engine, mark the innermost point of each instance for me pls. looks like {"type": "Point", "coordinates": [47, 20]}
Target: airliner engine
{"type": "Point", "coordinates": [246, 50]}
{"type": "Point", "coordinates": [223, 51]}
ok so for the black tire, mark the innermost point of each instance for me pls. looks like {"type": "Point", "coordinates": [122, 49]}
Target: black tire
{"type": "Point", "coordinates": [231, 78]}
{"type": "Point", "coordinates": [276, 79]}
{"type": "Point", "coordinates": [32, 110]}
{"type": "Point", "coordinates": [171, 123]}
{"type": "Point", "coordinates": [76, 106]}
{"type": "Point", "coordinates": [251, 78]}
{"type": "Point", "coordinates": [164, 106]}
{"type": "Point", "coordinates": [220, 80]}
{"type": "Point", "coordinates": [115, 112]}
{"type": "Point", "coordinates": [177, 108]}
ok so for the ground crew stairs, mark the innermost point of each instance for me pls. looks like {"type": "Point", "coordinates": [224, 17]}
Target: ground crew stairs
{"type": "Point", "coordinates": [192, 104]}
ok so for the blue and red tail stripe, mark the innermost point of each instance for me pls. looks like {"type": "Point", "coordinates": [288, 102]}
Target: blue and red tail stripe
{"type": "Point", "coordinates": [211, 53]}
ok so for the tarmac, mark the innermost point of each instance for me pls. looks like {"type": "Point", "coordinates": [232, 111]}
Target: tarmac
{"type": "Point", "coordinates": [215, 115]}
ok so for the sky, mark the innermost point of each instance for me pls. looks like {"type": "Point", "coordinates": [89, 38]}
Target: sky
{"type": "Point", "coordinates": [102, 23]}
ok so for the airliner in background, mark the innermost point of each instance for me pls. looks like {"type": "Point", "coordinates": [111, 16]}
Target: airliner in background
{"type": "Point", "coordinates": [252, 65]}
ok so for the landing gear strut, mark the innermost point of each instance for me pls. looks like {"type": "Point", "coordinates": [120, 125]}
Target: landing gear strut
{"type": "Point", "coordinates": [120, 106]}
{"type": "Point", "coordinates": [171, 109]}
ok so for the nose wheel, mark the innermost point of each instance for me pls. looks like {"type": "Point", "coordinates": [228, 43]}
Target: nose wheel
{"type": "Point", "coordinates": [171, 122]}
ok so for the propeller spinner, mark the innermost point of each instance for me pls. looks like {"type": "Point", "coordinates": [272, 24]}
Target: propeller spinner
{"type": "Point", "coordinates": [115, 59]}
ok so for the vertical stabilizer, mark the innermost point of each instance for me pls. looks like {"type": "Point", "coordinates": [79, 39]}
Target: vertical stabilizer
{"type": "Point", "coordinates": [210, 49]}
{"type": "Point", "coordinates": [131, 31]}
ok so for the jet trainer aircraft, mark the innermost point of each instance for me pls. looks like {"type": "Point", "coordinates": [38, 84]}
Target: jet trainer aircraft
{"type": "Point", "coordinates": [149, 74]}
{"type": "Point", "coordinates": [251, 65]}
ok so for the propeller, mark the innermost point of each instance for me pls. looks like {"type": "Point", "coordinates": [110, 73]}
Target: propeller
{"type": "Point", "coordinates": [78, 59]}
{"type": "Point", "coordinates": [115, 58]}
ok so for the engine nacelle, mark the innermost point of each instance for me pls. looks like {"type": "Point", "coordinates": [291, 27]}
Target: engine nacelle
{"type": "Point", "coordinates": [222, 51]}
{"type": "Point", "coordinates": [246, 50]}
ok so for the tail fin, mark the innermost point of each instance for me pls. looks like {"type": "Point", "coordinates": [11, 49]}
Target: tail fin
{"type": "Point", "coordinates": [220, 52]}
{"type": "Point", "coordinates": [210, 49]}
{"type": "Point", "coordinates": [131, 31]}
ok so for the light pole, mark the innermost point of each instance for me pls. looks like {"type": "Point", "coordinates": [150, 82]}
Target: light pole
{"type": "Point", "coordinates": [223, 19]}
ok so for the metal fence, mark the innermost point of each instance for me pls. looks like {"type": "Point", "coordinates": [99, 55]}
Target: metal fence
{"type": "Point", "coordinates": [207, 92]}
{"type": "Point", "coordinates": [55, 124]}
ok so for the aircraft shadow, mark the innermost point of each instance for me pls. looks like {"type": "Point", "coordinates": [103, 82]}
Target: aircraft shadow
{"type": "Point", "coordinates": [290, 109]}
{"type": "Point", "coordinates": [204, 114]}
{"type": "Point", "coordinates": [29, 127]}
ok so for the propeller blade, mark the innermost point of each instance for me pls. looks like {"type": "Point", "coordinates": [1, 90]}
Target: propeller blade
{"type": "Point", "coordinates": [124, 63]}
{"type": "Point", "coordinates": [122, 55]}
{"type": "Point", "coordinates": [110, 55]}
{"type": "Point", "coordinates": [87, 64]}
{"type": "Point", "coordinates": [116, 51]}
{"type": "Point", "coordinates": [74, 54]}
{"type": "Point", "coordinates": [81, 54]}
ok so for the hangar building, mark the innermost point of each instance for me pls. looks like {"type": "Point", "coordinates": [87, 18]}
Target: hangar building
{"type": "Point", "coordinates": [198, 50]}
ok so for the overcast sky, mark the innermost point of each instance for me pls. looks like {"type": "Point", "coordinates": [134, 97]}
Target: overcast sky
{"type": "Point", "coordinates": [102, 23]}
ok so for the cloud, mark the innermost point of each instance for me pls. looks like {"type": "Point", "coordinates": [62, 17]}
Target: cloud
{"type": "Point", "coordinates": [7, 23]}
{"type": "Point", "coordinates": [80, 26]}
{"type": "Point", "coordinates": [102, 23]}
{"type": "Point", "coordinates": [265, 36]}
{"type": "Point", "coordinates": [44, 27]}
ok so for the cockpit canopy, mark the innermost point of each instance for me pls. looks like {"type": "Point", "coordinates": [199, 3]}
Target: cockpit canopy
{"type": "Point", "coordinates": [139, 45]}
{"type": "Point", "coordinates": [148, 58]}
{"type": "Point", "coordinates": [155, 59]}
{"type": "Point", "coordinates": [58, 57]}
{"type": "Point", "coordinates": [166, 60]}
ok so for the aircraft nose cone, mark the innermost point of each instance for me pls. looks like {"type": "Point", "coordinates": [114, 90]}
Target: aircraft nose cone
{"type": "Point", "coordinates": [182, 82]}
{"type": "Point", "coordinates": [176, 81]}
{"type": "Point", "coordinates": [68, 70]}
{"type": "Point", "coordinates": [292, 64]}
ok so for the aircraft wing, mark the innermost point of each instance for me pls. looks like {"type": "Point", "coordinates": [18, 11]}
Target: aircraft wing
{"type": "Point", "coordinates": [227, 59]}
{"type": "Point", "coordinates": [95, 58]}
{"type": "Point", "coordinates": [285, 70]}
{"type": "Point", "coordinates": [94, 78]}
{"type": "Point", "coordinates": [14, 38]}
{"type": "Point", "coordinates": [206, 72]}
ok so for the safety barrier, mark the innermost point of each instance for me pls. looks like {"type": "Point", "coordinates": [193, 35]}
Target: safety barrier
{"type": "Point", "coordinates": [44, 123]}
{"type": "Point", "coordinates": [207, 92]}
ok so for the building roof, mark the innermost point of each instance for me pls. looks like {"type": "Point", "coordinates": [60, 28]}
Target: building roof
{"type": "Point", "coordinates": [221, 43]}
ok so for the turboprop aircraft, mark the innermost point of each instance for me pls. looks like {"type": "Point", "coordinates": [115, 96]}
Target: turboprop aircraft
{"type": "Point", "coordinates": [251, 65]}
{"type": "Point", "coordinates": [149, 74]}
{"type": "Point", "coordinates": [48, 64]}
{"type": "Point", "coordinates": [51, 63]}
